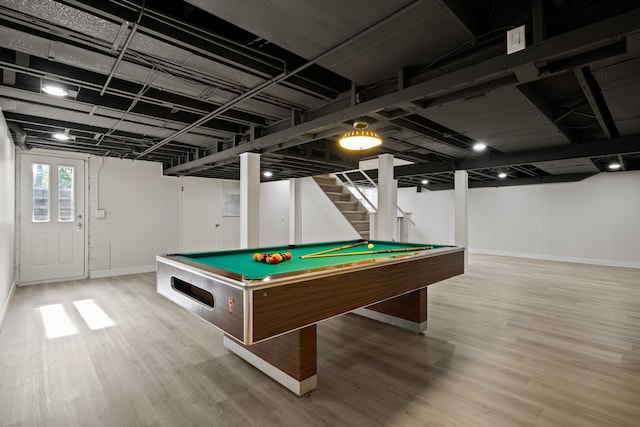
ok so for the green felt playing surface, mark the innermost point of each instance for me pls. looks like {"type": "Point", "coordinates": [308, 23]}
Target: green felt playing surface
{"type": "Point", "coordinates": [241, 261]}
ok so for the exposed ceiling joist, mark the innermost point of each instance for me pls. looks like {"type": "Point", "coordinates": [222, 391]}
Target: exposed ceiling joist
{"type": "Point", "coordinates": [558, 49]}
{"type": "Point", "coordinates": [432, 81]}
{"type": "Point", "coordinates": [624, 145]}
{"type": "Point", "coordinates": [598, 106]}
{"type": "Point", "coordinates": [549, 179]}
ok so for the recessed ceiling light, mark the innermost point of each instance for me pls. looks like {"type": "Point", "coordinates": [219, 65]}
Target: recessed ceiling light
{"type": "Point", "coordinates": [479, 146]}
{"type": "Point", "coordinates": [502, 175]}
{"type": "Point", "coordinates": [614, 166]}
{"type": "Point", "coordinates": [425, 181]}
{"type": "Point", "coordinates": [61, 136]}
{"type": "Point", "coordinates": [268, 174]}
{"type": "Point", "coordinates": [54, 90]}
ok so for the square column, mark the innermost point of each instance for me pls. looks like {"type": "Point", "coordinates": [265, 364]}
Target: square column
{"type": "Point", "coordinates": [461, 193]}
{"type": "Point", "coordinates": [386, 215]}
{"type": "Point", "coordinates": [295, 212]}
{"type": "Point", "coordinates": [249, 200]}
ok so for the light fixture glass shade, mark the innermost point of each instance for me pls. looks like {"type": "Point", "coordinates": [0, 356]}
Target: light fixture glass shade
{"type": "Point", "coordinates": [61, 136]}
{"type": "Point", "coordinates": [360, 139]}
{"type": "Point", "coordinates": [479, 146]}
{"type": "Point", "coordinates": [54, 90]}
{"type": "Point", "coordinates": [614, 166]}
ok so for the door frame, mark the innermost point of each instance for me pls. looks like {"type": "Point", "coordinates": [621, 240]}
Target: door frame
{"type": "Point", "coordinates": [63, 155]}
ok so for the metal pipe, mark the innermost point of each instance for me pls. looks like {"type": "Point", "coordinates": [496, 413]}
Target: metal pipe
{"type": "Point", "coordinates": [124, 49]}
{"type": "Point", "coordinates": [119, 59]}
{"type": "Point", "coordinates": [18, 135]}
{"type": "Point", "coordinates": [277, 79]}
{"type": "Point", "coordinates": [214, 38]}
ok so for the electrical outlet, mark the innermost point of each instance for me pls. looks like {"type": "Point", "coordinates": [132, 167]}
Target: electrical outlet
{"type": "Point", "coordinates": [515, 40]}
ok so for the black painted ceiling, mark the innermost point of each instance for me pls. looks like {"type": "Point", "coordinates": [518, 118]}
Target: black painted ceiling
{"type": "Point", "coordinates": [193, 84]}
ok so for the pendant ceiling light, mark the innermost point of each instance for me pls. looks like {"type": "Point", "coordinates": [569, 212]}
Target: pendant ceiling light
{"type": "Point", "coordinates": [360, 138]}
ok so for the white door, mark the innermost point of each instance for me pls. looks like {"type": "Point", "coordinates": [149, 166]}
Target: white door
{"type": "Point", "coordinates": [200, 219]}
{"type": "Point", "coordinates": [52, 218]}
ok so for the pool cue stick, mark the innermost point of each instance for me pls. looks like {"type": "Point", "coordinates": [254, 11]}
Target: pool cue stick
{"type": "Point", "coordinates": [382, 251]}
{"type": "Point", "coordinates": [335, 249]}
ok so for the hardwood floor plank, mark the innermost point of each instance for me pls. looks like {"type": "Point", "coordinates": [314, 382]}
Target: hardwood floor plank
{"type": "Point", "coordinates": [513, 342]}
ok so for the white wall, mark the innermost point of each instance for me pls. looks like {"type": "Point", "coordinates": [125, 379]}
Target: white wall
{"type": "Point", "coordinates": [142, 215]}
{"type": "Point", "coordinates": [230, 224]}
{"type": "Point", "coordinates": [147, 214]}
{"type": "Point", "coordinates": [7, 217]}
{"type": "Point", "coordinates": [432, 211]}
{"type": "Point", "coordinates": [203, 225]}
{"type": "Point", "coordinates": [321, 220]}
{"type": "Point", "coordinates": [593, 221]}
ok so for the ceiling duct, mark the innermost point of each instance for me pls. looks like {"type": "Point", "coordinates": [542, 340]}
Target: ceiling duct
{"type": "Point", "coordinates": [19, 135]}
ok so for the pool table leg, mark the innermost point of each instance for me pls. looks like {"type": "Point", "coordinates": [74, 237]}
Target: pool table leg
{"type": "Point", "coordinates": [408, 311]}
{"type": "Point", "coordinates": [290, 359]}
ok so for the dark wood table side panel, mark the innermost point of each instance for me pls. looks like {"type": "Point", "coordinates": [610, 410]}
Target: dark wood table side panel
{"type": "Point", "coordinates": [294, 353]}
{"type": "Point", "coordinates": [231, 322]}
{"type": "Point", "coordinates": [284, 308]}
{"type": "Point", "coordinates": [411, 306]}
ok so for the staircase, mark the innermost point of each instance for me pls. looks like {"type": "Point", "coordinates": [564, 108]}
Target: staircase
{"type": "Point", "coordinates": [346, 203]}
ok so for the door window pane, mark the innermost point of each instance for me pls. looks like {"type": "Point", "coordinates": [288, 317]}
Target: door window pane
{"type": "Point", "coordinates": [40, 192]}
{"type": "Point", "coordinates": [65, 193]}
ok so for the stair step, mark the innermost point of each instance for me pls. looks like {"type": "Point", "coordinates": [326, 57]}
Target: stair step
{"type": "Point", "coordinates": [356, 215]}
{"type": "Point", "coordinates": [325, 179]}
{"type": "Point", "coordinates": [345, 205]}
{"type": "Point", "coordinates": [349, 206]}
{"type": "Point", "coordinates": [343, 197]}
{"type": "Point", "coordinates": [360, 227]}
{"type": "Point", "coordinates": [333, 187]}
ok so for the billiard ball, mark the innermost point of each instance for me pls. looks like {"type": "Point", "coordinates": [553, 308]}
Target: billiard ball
{"type": "Point", "coordinates": [370, 246]}
{"type": "Point", "coordinates": [257, 257]}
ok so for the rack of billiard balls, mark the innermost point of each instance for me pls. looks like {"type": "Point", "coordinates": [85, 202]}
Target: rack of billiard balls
{"type": "Point", "coordinates": [274, 258]}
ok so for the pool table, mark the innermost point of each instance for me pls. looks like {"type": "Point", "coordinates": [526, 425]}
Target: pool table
{"type": "Point", "coordinates": [269, 312]}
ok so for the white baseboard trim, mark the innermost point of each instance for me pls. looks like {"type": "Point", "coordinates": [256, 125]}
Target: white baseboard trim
{"type": "Point", "coordinates": [122, 271]}
{"type": "Point", "coordinates": [594, 261]}
{"type": "Point", "coordinates": [5, 306]}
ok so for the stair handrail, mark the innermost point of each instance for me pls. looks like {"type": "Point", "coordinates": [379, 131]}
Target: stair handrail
{"type": "Point", "coordinates": [374, 209]}
{"type": "Point", "coordinates": [344, 174]}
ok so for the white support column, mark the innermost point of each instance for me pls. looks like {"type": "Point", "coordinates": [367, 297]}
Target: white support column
{"type": "Point", "coordinates": [295, 212]}
{"type": "Point", "coordinates": [461, 192]}
{"type": "Point", "coordinates": [386, 216]}
{"type": "Point", "coordinates": [249, 200]}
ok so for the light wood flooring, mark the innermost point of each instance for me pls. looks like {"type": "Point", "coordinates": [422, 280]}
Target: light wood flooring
{"type": "Point", "coordinates": [514, 342]}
